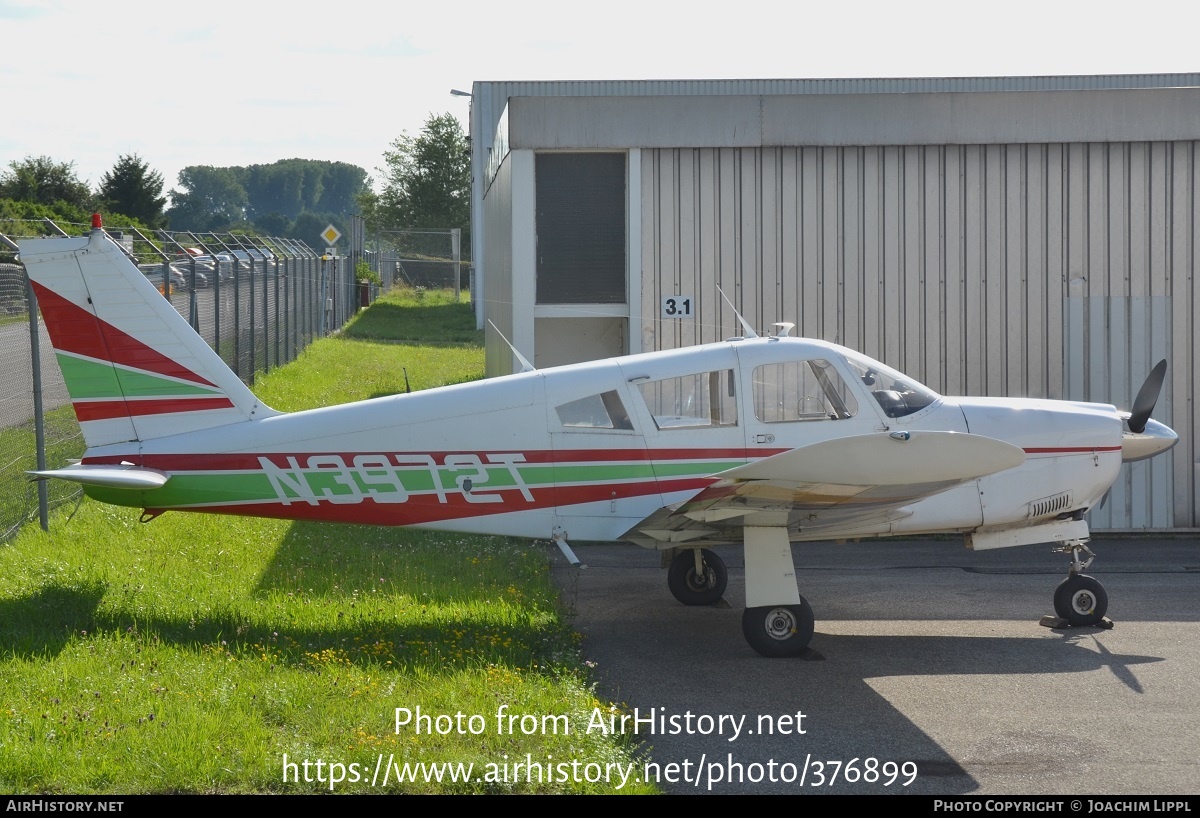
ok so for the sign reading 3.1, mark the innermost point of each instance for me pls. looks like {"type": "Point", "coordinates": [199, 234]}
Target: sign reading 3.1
{"type": "Point", "coordinates": [677, 306]}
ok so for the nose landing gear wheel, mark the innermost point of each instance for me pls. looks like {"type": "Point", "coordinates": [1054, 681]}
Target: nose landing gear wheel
{"type": "Point", "coordinates": [779, 630]}
{"type": "Point", "coordinates": [692, 587]}
{"type": "Point", "coordinates": [1081, 600]}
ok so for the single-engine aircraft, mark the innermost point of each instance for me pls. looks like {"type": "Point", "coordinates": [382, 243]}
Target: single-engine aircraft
{"type": "Point", "coordinates": [759, 440]}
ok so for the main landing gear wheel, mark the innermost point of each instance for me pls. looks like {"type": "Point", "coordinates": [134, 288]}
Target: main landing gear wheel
{"type": "Point", "coordinates": [779, 630]}
{"type": "Point", "coordinates": [1081, 600]}
{"type": "Point", "coordinates": [697, 587]}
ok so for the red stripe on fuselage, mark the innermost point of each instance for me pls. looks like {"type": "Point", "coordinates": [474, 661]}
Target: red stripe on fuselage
{"type": "Point", "coordinates": [76, 330]}
{"type": "Point", "coordinates": [108, 409]}
{"type": "Point", "coordinates": [421, 509]}
{"type": "Point", "coordinates": [1074, 450]}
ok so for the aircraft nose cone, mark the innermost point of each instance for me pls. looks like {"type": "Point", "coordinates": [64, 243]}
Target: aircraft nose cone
{"type": "Point", "coordinates": [1154, 439]}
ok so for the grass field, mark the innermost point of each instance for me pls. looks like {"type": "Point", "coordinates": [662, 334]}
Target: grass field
{"type": "Point", "coordinates": [206, 654]}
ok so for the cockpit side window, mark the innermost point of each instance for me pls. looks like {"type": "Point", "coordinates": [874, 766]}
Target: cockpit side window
{"type": "Point", "coordinates": [897, 394]}
{"type": "Point", "coordinates": [603, 411]}
{"type": "Point", "coordinates": [800, 391]}
{"type": "Point", "coordinates": [702, 400]}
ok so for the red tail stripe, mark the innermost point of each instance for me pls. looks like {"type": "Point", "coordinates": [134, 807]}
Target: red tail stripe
{"type": "Point", "coordinates": [75, 330]}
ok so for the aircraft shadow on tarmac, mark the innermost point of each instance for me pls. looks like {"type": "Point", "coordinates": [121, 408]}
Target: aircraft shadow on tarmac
{"type": "Point", "coordinates": [652, 653]}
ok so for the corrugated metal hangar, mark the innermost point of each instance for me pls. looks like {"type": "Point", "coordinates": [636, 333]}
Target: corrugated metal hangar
{"type": "Point", "coordinates": [1020, 236]}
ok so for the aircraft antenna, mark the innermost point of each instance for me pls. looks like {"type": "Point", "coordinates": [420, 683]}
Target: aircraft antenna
{"type": "Point", "coordinates": [750, 333]}
{"type": "Point", "coordinates": [525, 365]}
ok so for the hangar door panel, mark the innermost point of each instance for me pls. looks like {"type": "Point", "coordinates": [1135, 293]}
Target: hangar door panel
{"type": "Point", "coordinates": [1111, 344]}
{"type": "Point", "coordinates": [580, 228]}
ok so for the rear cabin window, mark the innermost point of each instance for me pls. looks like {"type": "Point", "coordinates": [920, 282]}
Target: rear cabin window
{"type": "Point", "coordinates": [702, 400]}
{"type": "Point", "coordinates": [801, 391]}
{"type": "Point", "coordinates": [603, 411]}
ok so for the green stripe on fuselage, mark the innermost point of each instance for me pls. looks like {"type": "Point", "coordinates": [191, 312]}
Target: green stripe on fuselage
{"type": "Point", "coordinates": [350, 484]}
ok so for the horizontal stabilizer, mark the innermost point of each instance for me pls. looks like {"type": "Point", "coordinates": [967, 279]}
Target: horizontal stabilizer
{"type": "Point", "coordinates": [115, 477]}
{"type": "Point", "coordinates": [885, 459]}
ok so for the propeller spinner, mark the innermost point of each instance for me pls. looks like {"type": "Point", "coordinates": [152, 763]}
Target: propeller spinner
{"type": "Point", "coordinates": [1144, 437]}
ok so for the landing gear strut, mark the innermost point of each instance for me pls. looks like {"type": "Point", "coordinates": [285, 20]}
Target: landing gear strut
{"type": "Point", "coordinates": [1080, 599]}
{"type": "Point", "coordinates": [777, 621]}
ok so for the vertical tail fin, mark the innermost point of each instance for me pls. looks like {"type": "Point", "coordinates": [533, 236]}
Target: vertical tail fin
{"type": "Point", "coordinates": [134, 368]}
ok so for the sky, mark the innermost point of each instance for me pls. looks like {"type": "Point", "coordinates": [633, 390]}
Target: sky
{"type": "Point", "coordinates": [250, 82]}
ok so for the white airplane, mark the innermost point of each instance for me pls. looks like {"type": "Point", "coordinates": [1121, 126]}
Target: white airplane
{"type": "Point", "coordinates": [762, 441]}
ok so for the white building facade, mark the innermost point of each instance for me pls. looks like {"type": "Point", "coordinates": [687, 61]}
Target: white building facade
{"type": "Point", "coordinates": [988, 236]}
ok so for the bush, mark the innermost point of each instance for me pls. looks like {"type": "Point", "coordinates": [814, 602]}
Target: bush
{"type": "Point", "coordinates": [364, 274]}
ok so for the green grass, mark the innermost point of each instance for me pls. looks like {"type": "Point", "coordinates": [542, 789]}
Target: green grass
{"type": "Point", "coordinates": [192, 653]}
{"type": "Point", "coordinates": [18, 453]}
{"type": "Point", "coordinates": [428, 316]}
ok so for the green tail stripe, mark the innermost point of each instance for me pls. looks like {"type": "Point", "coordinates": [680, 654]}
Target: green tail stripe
{"type": "Point", "coordinates": [100, 379]}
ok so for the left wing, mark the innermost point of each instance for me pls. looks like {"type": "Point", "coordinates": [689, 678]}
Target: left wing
{"type": "Point", "coordinates": [835, 486]}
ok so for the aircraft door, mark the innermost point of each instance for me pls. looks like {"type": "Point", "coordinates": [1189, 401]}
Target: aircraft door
{"type": "Point", "coordinates": [794, 399]}
{"type": "Point", "coordinates": [603, 481]}
{"type": "Point", "coordinates": [686, 405]}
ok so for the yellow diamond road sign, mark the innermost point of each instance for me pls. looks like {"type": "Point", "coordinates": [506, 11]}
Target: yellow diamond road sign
{"type": "Point", "coordinates": [331, 234]}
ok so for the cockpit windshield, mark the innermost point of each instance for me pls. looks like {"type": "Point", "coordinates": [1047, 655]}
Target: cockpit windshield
{"type": "Point", "coordinates": [898, 394]}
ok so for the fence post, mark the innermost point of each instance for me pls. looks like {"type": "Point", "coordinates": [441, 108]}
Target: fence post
{"type": "Point", "coordinates": [253, 334]}
{"type": "Point", "coordinates": [324, 276]}
{"type": "Point", "coordinates": [456, 252]}
{"type": "Point", "coordinates": [278, 318]}
{"type": "Point", "coordinates": [237, 316]}
{"type": "Point", "coordinates": [39, 418]}
{"type": "Point", "coordinates": [266, 316]}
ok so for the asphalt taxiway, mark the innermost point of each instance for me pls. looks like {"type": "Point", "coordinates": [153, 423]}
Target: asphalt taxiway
{"type": "Point", "coordinates": [923, 652]}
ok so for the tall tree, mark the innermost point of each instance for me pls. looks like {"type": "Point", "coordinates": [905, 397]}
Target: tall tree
{"type": "Point", "coordinates": [43, 181]}
{"type": "Point", "coordinates": [133, 189]}
{"type": "Point", "coordinates": [341, 185]}
{"type": "Point", "coordinates": [293, 186]}
{"type": "Point", "coordinates": [214, 198]}
{"type": "Point", "coordinates": [427, 181]}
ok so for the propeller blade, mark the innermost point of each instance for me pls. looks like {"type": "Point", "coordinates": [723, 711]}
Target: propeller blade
{"type": "Point", "coordinates": [1147, 396]}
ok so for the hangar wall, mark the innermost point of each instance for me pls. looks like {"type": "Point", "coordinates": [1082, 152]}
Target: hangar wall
{"type": "Point", "coordinates": [498, 222]}
{"type": "Point", "coordinates": [1043, 270]}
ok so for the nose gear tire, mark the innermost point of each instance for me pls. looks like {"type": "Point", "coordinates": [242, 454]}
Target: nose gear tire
{"type": "Point", "coordinates": [1081, 600]}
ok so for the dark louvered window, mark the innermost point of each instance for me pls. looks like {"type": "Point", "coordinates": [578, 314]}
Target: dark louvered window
{"type": "Point", "coordinates": [580, 228]}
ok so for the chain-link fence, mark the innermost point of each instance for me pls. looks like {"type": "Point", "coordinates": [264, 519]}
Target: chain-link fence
{"type": "Point", "coordinates": [257, 301]}
{"type": "Point", "coordinates": [421, 258]}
